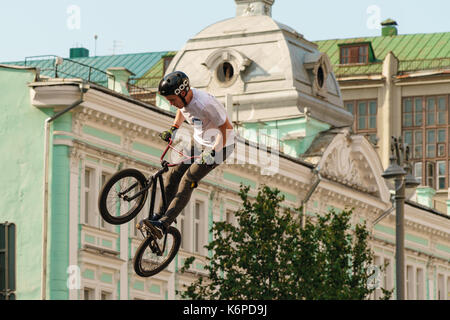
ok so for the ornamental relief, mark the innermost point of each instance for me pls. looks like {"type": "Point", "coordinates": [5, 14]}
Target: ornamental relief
{"type": "Point", "coordinates": [345, 167]}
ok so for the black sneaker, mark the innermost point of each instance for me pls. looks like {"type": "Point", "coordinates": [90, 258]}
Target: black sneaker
{"type": "Point", "coordinates": [156, 227]}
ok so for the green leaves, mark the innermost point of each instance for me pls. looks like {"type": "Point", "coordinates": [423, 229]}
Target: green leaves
{"type": "Point", "coordinates": [268, 256]}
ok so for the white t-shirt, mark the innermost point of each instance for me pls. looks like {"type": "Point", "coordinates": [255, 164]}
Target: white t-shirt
{"type": "Point", "coordinates": [206, 114]}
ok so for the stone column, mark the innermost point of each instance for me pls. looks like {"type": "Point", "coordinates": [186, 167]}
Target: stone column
{"type": "Point", "coordinates": [389, 113]}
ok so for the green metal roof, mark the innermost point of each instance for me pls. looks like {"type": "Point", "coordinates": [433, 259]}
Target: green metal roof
{"type": "Point", "coordinates": [138, 63]}
{"type": "Point", "coordinates": [431, 49]}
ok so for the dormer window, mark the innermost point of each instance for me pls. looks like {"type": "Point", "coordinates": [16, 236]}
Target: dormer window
{"type": "Point", "coordinates": [361, 53]}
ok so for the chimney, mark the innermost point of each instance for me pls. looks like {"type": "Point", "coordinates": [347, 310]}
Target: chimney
{"type": "Point", "coordinates": [119, 82]}
{"type": "Point", "coordinates": [79, 53]}
{"type": "Point", "coordinates": [389, 28]}
{"type": "Point", "coordinates": [425, 196]}
{"type": "Point", "coordinates": [254, 7]}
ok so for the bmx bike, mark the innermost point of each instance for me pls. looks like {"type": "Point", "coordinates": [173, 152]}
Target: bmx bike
{"type": "Point", "coordinates": [121, 199]}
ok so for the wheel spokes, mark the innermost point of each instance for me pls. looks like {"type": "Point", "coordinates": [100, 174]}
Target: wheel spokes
{"type": "Point", "coordinates": [115, 203]}
{"type": "Point", "coordinates": [152, 257]}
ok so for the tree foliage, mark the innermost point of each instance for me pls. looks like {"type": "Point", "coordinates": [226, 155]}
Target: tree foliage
{"type": "Point", "coordinates": [267, 255]}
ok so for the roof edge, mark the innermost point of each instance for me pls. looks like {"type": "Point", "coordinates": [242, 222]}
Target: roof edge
{"type": "Point", "coordinates": [430, 210]}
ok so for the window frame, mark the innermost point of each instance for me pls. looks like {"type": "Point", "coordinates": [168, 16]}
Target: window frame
{"type": "Point", "coordinates": [410, 282]}
{"type": "Point", "coordinates": [351, 54]}
{"type": "Point", "coordinates": [90, 291]}
{"type": "Point", "coordinates": [420, 284]}
{"type": "Point", "coordinates": [87, 195]}
{"type": "Point", "coordinates": [368, 131]}
{"type": "Point", "coordinates": [426, 119]}
{"type": "Point", "coordinates": [97, 170]}
{"type": "Point", "coordinates": [197, 233]}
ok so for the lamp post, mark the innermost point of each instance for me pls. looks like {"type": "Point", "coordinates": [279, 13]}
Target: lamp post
{"type": "Point", "coordinates": [400, 170]}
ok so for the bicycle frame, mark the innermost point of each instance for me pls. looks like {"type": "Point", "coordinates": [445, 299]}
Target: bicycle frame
{"type": "Point", "coordinates": [158, 176]}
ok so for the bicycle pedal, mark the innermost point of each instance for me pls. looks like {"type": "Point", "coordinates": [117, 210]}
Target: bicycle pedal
{"type": "Point", "coordinates": [141, 226]}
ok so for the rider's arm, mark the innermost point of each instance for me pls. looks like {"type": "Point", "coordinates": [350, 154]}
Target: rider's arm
{"type": "Point", "coordinates": [221, 138]}
{"type": "Point", "coordinates": [179, 119]}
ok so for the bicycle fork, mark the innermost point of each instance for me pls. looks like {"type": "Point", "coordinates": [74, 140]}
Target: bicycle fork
{"type": "Point", "coordinates": [154, 246]}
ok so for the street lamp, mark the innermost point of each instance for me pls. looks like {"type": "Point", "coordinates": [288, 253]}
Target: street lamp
{"type": "Point", "coordinates": [400, 170]}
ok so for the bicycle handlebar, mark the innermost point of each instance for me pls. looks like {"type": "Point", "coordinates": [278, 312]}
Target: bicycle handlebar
{"type": "Point", "coordinates": [165, 163]}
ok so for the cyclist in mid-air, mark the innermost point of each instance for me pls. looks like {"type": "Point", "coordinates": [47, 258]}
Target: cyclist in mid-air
{"type": "Point", "coordinates": [214, 134]}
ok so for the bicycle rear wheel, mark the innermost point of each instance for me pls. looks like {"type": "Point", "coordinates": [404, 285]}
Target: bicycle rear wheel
{"type": "Point", "coordinates": [113, 202]}
{"type": "Point", "coordinates": [150, 258]}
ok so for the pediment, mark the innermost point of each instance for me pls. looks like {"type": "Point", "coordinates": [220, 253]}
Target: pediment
{"type": "Point", "coordinates": [352, 161]}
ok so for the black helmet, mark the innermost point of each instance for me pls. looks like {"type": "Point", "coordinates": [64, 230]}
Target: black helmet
{"type": "Point", "coordinates": [174, 83]}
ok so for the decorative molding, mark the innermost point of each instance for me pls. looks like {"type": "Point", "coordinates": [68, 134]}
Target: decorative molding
{"type": "Point", "coordinates": [344, 167]}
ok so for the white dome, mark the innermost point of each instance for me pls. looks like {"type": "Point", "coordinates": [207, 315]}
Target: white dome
{"type": "Point", "coordinates": [266, 63]}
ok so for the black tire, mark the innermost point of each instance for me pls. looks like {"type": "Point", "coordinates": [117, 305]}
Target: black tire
{"type": "Point", "coordinates": [149, 266]}
{"type": "Point", "coordinates": [109, 195]}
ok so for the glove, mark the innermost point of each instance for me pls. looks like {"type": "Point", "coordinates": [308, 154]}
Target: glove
{"type": "Point", "coordinates": [207, 157]}
{"type": "Point", "coordinates": [166, 135]}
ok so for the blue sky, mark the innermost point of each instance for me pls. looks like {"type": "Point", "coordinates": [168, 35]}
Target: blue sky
{"type": "Point", "coordinates": [29, 28]}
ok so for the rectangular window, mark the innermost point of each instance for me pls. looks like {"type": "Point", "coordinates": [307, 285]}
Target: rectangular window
{"type": "Point", "coordinates": [418, 171]}
{"type": "Point", "coordinates": [182, 223]}
{"type": "Point", "coordinates": [430, 138]}
{"type": "Point", "coordinates": [387, 279]}
{"type": "Point", "coordinates": [441, 142]}
{"type": "Point", "coordinates": [197, 230]}
{"type": "Point", "coordinates": [372, 115]}
{"type": "Point", "coordinates": [377, 292]}
{"type": "Point", "coordinates": [350, 107]}
{"type": "Point", "coordinates": [365, 118]}
{"type": "Point", "coordinates": [418, 112]}
{"type": "Point", "coordinates": [441, 174]}
{"type": "Point", "coordinates": [105, 295]}
{"type": "Point", "coordinates": [419, 284]}
{"type": "Point", "coordinates": [407, 113]}
{"type": "Point", "coordinates": [355, 54]}
{"type": "Point", "coordinates": [431, 143]}
{"type": "Point", "coordinates": [430, 174]}
{"type": "Point", "coordinates": [88, 175]}
{"type": "Point", "coordinates": [441, 288]}
{"type": "Point", "coordinates": [431, 112]}
{"type": "Point", "coordinates": [345, 55]}
{"type": "Point", "coordinates": [362, 116]}
{"type": "Point", "coordinates": [409, 283]}
{"type": "Point", "coordinates": [418, 145]}
{"type": "Point", "coordinates": [442, 111]}
{"type": "Point", "coordinates": [7, 261]}
{"type": "Point", "coordinates": [88, 294]}
{"type": "Point", "coordinates": [408, 136]}
{"type": "Point", "coordinates": [362, 58]}
{"type": "Point", "coordinates": [448, 288]}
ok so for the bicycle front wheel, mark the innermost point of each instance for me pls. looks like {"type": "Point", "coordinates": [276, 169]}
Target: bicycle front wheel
{"type": "Point", "coordinates": [153, 256]}
{"type": "Point", "coordinates": [114, 201]}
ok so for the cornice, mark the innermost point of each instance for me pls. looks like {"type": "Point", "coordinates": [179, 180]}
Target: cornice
{"type": "Point", "coordinates": [421, 228]}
